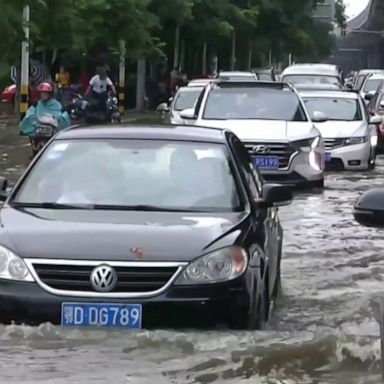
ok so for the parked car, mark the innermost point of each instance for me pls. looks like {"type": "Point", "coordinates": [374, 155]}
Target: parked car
{"type": "Point", "coordinates": [312, 74]}
{"type": "Point", "coordinates": [265, 74]}
{"type": "Point", "coordinates": [9, 95]}
{"type": "Point", "coordinates": [107, 228]}
{"type": "Point", "coordinates": [237, 76]}
{"type": "Point", "coordinates": [375, 107]}
{"type": "Point", "coordinates": [362, 75]}
{"type": "Point", "coordinates": [271, 120]}
{"type": "Point", "coordinates": [199, 82]}
{"type": "Point", "coordinates": [350, 134]}
{"type": "Point", "coordinates": [371, 85]}
{"type": "Point", "coordinates": [185, 97]}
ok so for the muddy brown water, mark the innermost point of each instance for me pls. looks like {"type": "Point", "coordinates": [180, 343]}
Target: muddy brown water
{"type": "Point", "coordinates": [324, 327]}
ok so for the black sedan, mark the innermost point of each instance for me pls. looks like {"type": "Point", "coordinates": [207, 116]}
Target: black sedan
{"type": "Point", "coordinates": [121, 226]}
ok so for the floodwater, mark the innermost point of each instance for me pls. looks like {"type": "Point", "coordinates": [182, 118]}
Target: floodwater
{"type": "Point", "coordinates": [324, 327]}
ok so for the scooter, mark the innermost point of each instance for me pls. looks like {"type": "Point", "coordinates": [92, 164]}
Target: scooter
{"type": "Point", "coordinates": [45, 127]}
{"type": "Point", "coordinates": [94, 113]}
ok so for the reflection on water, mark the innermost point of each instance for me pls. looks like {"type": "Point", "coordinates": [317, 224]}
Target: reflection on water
{"type": "Point", "coordinates": [323, 330]}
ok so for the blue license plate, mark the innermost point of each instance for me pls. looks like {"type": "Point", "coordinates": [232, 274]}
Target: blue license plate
{"type": "Point", "coordinates": [266, 162]}
{"type": "Point", "coordinates": [328, 157]}
{"type": "Point", "coordinates": [101, 315]}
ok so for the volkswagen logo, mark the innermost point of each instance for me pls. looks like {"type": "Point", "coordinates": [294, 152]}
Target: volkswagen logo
{"type": "Point", "coordinates": [103, 278]}
{"type": "Point", "coordinates": [260, 149]}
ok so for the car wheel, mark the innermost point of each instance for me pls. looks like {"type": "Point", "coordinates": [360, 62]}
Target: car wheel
{"type": "Point", "coordinates": [277, 286]}
{"type": "Point", "coordinates": [257, 314]}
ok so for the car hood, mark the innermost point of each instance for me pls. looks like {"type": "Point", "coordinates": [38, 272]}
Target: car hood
{"type": "Point", "coordinates": [342, 129]}
{"type": "Point", "coordinates": [248, 130]}
{"type": "Point", "coordinates": [109, 235]}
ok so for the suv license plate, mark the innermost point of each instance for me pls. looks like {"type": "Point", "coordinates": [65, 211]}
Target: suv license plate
{"type": "Point", "coordinates": [101, 315]}
{"type": "Point", "coordinates": [266, 162]}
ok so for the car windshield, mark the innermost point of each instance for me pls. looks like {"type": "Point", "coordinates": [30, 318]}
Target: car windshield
{"type": "Point", "coordinates": [311, 79]}
{"type": "Point", "coordinates": [335, 108]}
{"type": "Point", "coordinates": [360, 81]}
{"type": "Point", "coordinates": [129, 174]}
{"type": "Point", "coordinates": [372, 85]}
{"type": "Point", "coordinates": [187, 98]}
{"type": "Point", "coordinates": [253, 103]}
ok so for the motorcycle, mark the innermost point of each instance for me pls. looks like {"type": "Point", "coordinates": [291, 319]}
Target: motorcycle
{"type": "Point", "coordinates": [45, 128]}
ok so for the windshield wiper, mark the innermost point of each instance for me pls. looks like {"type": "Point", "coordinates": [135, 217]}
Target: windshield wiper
{"type": "Point", "coordinates": [51, 205]}
{"type": "Point", "coordinates": [139, 207]}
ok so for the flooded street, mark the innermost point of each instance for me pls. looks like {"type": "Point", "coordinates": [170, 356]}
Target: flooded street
{"type": "Point", "coordinates": [323, 329]}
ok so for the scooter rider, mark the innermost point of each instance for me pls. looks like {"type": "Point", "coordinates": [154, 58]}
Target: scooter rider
{"type": "Point", "coordinates": [98, 86]}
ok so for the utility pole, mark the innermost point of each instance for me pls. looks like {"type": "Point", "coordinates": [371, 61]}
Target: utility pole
{"type": "Point", "coordinates": [122, 77]}
{"type": "Point", "coordinates": [25, 64]}
{"type": "Point", "coordinates": [233, 52]}
{"type": "Point", "coordinates": [177, 48]}
{"type": "Point", "coordinates": [204, 68]}
{"type": "Point", "coordinates": [140, 90]}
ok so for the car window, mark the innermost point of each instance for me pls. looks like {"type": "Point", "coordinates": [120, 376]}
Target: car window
{"type": "Point", "coordinates": [251, 175]}
{"type": "Point", "coordinates": [253, 103]}
{"type": "Point", "coordinates": [380, 109]}
{"type": "Point", "coordinates": [134, 172]}
{"type": "Point", "coordinates": [311, 79]}
{"type": "Point", "coordinates": [372, 85]}
{"type": "Point", "coordinates": [187, 99]}
{"type": "Point", "coordinates": [264, 76]}
{"type": "Point", "coordinates": [359, 81]}
{"type": "Point", "coordinates": [335, 108]}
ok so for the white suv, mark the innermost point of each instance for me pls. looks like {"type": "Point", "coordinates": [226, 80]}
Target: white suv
{"type": "Point", "coordinates": [272, 122]}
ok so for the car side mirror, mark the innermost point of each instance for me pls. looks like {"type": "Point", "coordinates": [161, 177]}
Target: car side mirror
{"type": "Point", "coordinates": [3, 189]}
{"type": "Point", "coordinates": [163, 107]}
{"type": "Point", "coordinates": [170, 100]}
{"type": "Point", "coordinates": [275, 195]}
{"type": "Point", "coordinates": [188, 114]}
{"type": "Point", "coordinates": [319, 117]}
{"type": "Point", "coordinates": [369, 208]}
{"type": "Point", "coordinates": [369, 96]}
{"type": "Point", "coordinates": [375, 120]}
{"type": "Point", "coordinates": [382, 104]}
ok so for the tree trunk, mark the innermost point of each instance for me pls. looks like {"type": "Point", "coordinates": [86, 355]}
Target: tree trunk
{"type": "Point", "coordinates": [140, 90]}
{"type": "Point", "coordinates": [250, 54]}
{"type": "Point", "coordinates": [182, 57]}
{"type": "Point", "coordinates": [177, 47]}
{"type": "Point", "coordinates": [233, 52]}
{"type": "Point", "coordinates": [122, 77]}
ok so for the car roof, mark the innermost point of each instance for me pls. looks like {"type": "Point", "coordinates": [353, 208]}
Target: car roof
{"type": "Point", "coordinates": [315, 87]}
{"type": "Point", "coordinates": [252, 84]}
{"type": "Point", "coordinates": [237, 73]}
{"type": "Point", "coordinates": [191, 88]}
{"type": "Point", "coordinates": [312, 69]}
{"type": "Point", "coordinates": [145, 132]}
{"type": "Point", "coordinates": [330, 94]}
{"type": "Point", "coordinates": [369, 71]}
{"type": "Point", "coordinates": [198, 82]}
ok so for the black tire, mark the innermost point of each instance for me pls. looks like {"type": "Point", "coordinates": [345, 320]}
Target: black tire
{"type": "Point", "coordinates": [277, 286]}
{"type": "Point", "coordinates": [256, 316]}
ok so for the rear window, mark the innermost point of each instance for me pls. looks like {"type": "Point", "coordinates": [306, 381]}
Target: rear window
{"type": "Point", "coordinates": [311, 79]}
{"type": "Point", "coordinates": [372, 85]}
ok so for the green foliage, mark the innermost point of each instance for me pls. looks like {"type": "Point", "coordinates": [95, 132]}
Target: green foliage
{"type": "Point", "coordinates": [91, 28]}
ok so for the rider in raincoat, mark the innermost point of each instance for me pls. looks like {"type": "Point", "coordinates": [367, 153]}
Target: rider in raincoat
{"type": "Point", "coordinates": [47, 105]}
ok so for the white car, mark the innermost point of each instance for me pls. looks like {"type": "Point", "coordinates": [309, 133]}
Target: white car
{"type": "Point", "coordinates": [186, 97]}
{"type": "Point", "coordinates": [237, 76]}
{"type": "Point", "coordinates": [350, 135]}
{"type": "Point", "coordinates": [371, 85]}
{"type": "Point", "coordinates": [272, 122]}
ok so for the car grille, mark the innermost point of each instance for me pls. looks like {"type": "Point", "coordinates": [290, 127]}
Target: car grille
{"type": "Point", "coordinates": [284, 151]}
{"type": "Point", "coordinates": [131, 279]}
{"type": "Point", "coordinates": [333, 143]}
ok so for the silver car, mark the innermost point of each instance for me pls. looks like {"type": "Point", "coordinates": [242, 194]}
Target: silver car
{"type": "Point", "coordinates": [237, 76]}
{"type": "Point", "coordinates": [271, 120]}
{"type": "Point", "coordinates": [349, 133]}
{"type": "Point", "coordinates": [186, 97]}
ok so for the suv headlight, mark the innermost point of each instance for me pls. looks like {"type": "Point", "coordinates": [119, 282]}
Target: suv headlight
{"type": "Point", "coordinates": [12, 267]}
{"type": "Point", "coordinates": [307, 145]}
{"type": "Point", "coordinates": [222, 265]}
{"type": "Point", "coordinates": [355, 140]}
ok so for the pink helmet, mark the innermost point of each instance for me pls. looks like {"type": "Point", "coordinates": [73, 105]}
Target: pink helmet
{"type": "Point", "coordinates": [45, 87]}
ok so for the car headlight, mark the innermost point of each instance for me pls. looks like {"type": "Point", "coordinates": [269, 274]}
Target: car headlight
{"type": "Point", "coordinates": [222, 265]}
{"type": "Point", "coordinates": [308, 144]}
{"type": "Point", "coordinates": [355, 140]}
{"type": "Point", "coordinates": [12, 267]}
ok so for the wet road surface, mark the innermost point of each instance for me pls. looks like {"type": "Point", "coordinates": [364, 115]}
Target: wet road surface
{"type": "Point", "coordinates": [323, 328]}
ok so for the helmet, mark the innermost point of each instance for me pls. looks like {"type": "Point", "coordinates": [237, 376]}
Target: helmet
{"type": "Point", "coordinates": [45, 87]}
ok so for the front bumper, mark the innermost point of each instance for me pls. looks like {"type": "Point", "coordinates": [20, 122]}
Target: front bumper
{"type": "Point", "coordinates": [350, 157]}
{"type": "Point", "coordinates": [299, 172]}
{"type": "Point", "coordinates": [22, 302]}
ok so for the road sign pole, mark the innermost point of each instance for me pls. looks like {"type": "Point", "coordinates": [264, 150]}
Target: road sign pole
{"type": "Point", "coordinates": [25, 64]}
